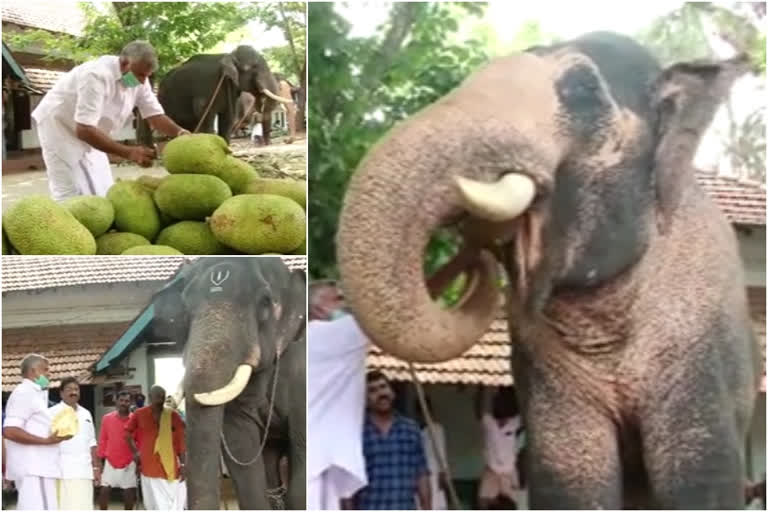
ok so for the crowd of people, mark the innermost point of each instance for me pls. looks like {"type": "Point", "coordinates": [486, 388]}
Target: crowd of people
{"type": "Point", "coordinates": [137, 447]}
{"type": "Point", "coordinates": [388, 461]}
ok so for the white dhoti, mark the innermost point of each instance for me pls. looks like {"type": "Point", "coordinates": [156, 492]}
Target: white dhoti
{"type": "Point", "coordinates": [75, 494]}
{"type": "Point", "coordinates": [325, 492]}
{"type": "Point", "coordinates": [160, 494]}
{"type": "Point", "coordinates": [36, 493]}
{"type": "Point", "coordinates": [123, 478]}
{"type": "Point", "coordinates": [72, 173]}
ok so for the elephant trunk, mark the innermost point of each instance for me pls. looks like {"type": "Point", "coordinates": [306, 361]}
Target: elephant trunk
{"type": "Point", "coordinates": [203, 431]}
{"type": "Point", "coordinates": [398, 196]}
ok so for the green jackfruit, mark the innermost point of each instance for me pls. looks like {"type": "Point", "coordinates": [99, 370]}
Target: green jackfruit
{"type": "Point", "coordinates": [150, 182]}
{"type": "Point", "coordinates": [191, 196]}
{"type": "Point", "coordinates": [141, 250]}
{"type": "Point", "coordinates": [7, 249]}
{"type": "Point", "coordinates": [39, 225]}
{"type": "Point", "coordinates": [191, 237]}
{"type": "Point", "coordinates": [302, 249]}
{"type": "Point", "coordinates": [259, 223]}
{"type": "Point", "coordinates": [135, 210]}
{"type": "Point", "coordinates": [117, 243]}
{"type": "Point", "coordinates": [206, 153]}
{"type": "Point", "coordinates": [292, 189]}
{"type": "Point", "coordinates": [94, 212]}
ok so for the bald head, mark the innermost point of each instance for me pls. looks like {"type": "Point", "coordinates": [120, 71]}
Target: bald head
{"type": "Point", "coordinates": [156, 396]}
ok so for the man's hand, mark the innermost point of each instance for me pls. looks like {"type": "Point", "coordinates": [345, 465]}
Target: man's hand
{"type": "Point", "coordinates": [96, 476]}
{"type": "Point", "coordinates": [181, 473]}
{"type": "Point", "coordinates": [56, 439]}
{"type": "Point", "coordinates": [183, 132]}
{"type": "Point", "coordinates": [141, 155]}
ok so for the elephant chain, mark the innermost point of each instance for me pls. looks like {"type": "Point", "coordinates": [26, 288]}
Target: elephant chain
{"type": "Point", "coordinates": [266, 428]}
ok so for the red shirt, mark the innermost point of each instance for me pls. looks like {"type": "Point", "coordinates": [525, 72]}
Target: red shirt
{"type": "Point", "coordinates": [143, 424]}
{"type": "Point", "coordinates": [112, 443]}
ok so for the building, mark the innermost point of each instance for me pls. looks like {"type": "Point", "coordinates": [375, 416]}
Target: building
{"type": "Point", "coordinates": [451, 385]}
{"type": "Point", "coordinates": [79, 311]}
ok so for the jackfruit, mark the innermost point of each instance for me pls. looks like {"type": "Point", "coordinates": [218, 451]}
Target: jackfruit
{"type": "Point", "coordinates": [292, 189]}
{"type": "Point", "coordinates": [117, 243]}
{"type": "Point", "coordinates": [65, 423]}
{"type": "Point", "coordinates": [206, 153]}
{"type": "Point", "coordinates": [135, 210]}
{"type": "Point", "coordinates": [141, 250]}
{"type": "Point", "coordinates": [149, 182]}
{"type": "Point", "coordinates": [94, 212]}
{"type": "Point", "coordinates": [302, 249]}
{"type": "Point", "coordinates": [259, 223]}
{"type": "Point", "coordinates": [6, 245]}
{"type": "Point", "coordinates": [191, 237]}
{"type": "Point", "coordinates": [39, 225]}
{"type": "Point", "coordinates": [191, 196]}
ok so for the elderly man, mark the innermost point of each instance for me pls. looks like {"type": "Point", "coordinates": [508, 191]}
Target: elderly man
{"type": "Point", "coordinates": [161, 450]}
{"type": "Point", "coordinates": [78, 462]}
{"type": "Point", "coordinates": [92, 101]}
{"type": "Point", "coordinates": [33, 454]}
{"type": "Point", "coordinates": [336, 367]}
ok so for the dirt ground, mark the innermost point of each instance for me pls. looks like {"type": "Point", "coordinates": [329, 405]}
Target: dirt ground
{"type": "Point", "coordinates": [278, 160]}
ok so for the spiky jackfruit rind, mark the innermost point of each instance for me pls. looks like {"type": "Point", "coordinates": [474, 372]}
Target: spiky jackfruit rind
{"type": "Point", "coordinates": [39, 225]}
{"type": "Point", "coordinates": [135, 210]}
{"type": "Point", "coordinates": [94, 212]}
{"type": "Point", "coordinates": [191, 196]}
{"type": "Point", "coordinates": [152, 250]}
{"type": "Point", "coordinates": [292, 189]}
{"type": "Point", "coordinates": [117, 243]}
{"type": "Point", "coordinates": [191, 237]}
{"type": "Point", "coordinates": [259, 223]}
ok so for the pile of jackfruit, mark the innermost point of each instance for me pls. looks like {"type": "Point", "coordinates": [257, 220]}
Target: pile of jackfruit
{"type": "Point", "coordinates": [210, 203]}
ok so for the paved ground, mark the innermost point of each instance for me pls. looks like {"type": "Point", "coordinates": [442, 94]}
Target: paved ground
{"type": "Point", "coordinates": [278, 160]}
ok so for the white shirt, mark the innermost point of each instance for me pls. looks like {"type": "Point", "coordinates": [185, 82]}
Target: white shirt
{"type": "Point", "coordinates": [336, 352]}
{"type": "Point", "coordinates": [501, 444]}
{"type": "Point", "coordinates": [92, 94]}
{"type": "Point", "coordinates": [75, 453]}
{"type": "Point", "coordinates": [438, 496]}
{"type": "Point", "coordinates": [27, 409]}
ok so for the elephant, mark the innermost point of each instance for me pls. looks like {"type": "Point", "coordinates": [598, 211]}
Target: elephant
{"type": "Point", "coordinates": [569, 167]}
{"type": "Point", "coordinates": [240, 325]}
{"type": "Point", "coordinates": [186, 91]}
{"type": "Point", "coordinates": [248, 112]}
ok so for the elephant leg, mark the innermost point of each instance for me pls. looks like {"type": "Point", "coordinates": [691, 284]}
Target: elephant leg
{"type": "Point", "coordinates": [266, 120]}
{"type": "Point", "coordinates": [573, 457]}
{"type": "Point", "coordinates": [198, 106]}
{"type": "Point", "coordinates": [243, 439]}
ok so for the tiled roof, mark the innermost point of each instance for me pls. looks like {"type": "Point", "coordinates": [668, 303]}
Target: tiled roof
{"type": "Point", "coordinates": [742, 201]}
{"type": "Point", "coordinates": [70, 349]}
{"type": "Point", "coordinates": [36, 272]}
{"type": "Point", "coordinates": [42, 79]}
{"type": "Point", "coordinates": [488, 362]}
{"type": "Point", "coordinates": [64, 16]}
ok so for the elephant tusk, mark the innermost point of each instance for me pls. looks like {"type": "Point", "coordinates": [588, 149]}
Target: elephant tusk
{"type": "Point", "coordinates": [230, 391]}
{"type": "Point", "coordinates": [275, 97]}
{"type": "Point", "coordinates": [500, 201]}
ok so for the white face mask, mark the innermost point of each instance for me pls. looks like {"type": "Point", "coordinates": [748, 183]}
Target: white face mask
{"type": "Point", "coordinates": [337, 313]}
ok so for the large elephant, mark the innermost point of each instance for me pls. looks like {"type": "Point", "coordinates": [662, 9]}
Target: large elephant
{"type": "Point", "coordinates": [240, 321]}
{"type": "Point", "coordinates": [186, 91]}
{"type": "Point", "coordinates": [571, 165]}
{"type": "Point", "coordinates": [250, 107]}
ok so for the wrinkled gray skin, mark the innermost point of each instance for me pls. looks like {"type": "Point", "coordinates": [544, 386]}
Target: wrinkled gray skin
{"type": "Point", "coordinates": [185, 92]}
{"type": "Point", "coordinates": [247, 103]}
{"type": "Point", "coordinates": [259, 307]}
{"type": "Point", "coordinates": [634, 358]}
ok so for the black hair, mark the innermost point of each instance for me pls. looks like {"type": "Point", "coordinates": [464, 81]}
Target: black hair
{"type": "Point", "coordinates": [124, 393]}
{"type": "Point", "coordinates": [67, 380]}
{"type": "Point", "coordinates": [505, 404]}
{"type": "Point", "coordinates": [375, 375]}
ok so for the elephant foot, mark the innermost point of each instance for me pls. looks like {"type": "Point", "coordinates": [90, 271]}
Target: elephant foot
{"type": "Point", "coordinates": [289, 140]}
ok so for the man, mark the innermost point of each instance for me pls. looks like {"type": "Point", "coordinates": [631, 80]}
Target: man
{"type": "Point", "coordinates": [161, 450]}
{"type": "Point", "coordinates": [336, 353]}
{"type": "Point", "coordinates": [78, 462]}
{"type": "Point", "coordinates": [89, 103]}
{"type": "Point", "coordinates": [394, 454]}
{"type": "Point", "coordinates": [500, 479]}
{"type": "Point", "coordinates": [118, 470]}
{"type": "Point", "coordinates": [33, 454]}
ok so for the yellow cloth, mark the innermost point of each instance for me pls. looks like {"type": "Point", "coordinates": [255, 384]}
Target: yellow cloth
{"type": "Point", "coordinates": [164, 445]}
{"type": "Point", "coordinates": [65, 423]}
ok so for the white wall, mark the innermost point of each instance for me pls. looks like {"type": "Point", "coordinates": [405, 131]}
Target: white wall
{"type": "Point", "coordinates": [30, 140]}
{"type": "Point", "coordinates": [140, 377]}
{"type": "Point", "coordinates": [757, 440]}
{"type": "Point", "coordinates": [752, 247]}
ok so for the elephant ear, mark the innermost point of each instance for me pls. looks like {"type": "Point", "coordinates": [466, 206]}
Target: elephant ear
{"type": "Point", "coordinates": [293, 309]}
{"type": "Point", "coordinates": [686, 97]}
{"type": "Point", "coordinates": [229, 68]}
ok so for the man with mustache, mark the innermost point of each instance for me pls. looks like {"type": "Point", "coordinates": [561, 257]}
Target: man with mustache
{"type": "Point", "coordinates": [115, 457]}
{"type": "Point", "coordinates": [79, 463]}
{"type": "Point", "coordinates": [33, 457]}
{"type": "Point", "coordinates": [394, 454]}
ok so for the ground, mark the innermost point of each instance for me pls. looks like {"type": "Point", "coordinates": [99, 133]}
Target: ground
{"type": "Point", "coordinates": [278, 160]}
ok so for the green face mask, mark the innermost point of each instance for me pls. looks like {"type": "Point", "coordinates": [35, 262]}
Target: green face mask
{"type": "Point", "coordinates": [130, 80]}
{"type": "Point", "coordinates": [42, 381]}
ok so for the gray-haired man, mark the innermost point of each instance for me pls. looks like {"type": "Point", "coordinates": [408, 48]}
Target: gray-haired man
{"type": "Point", "coordinates": [32, 454]}
{"type": "Point", "coordinates": [89, 105]}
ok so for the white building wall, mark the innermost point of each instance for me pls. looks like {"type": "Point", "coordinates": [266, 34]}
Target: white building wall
{"type": "Point", "coordinates": [752, 247]}
{"type": "Point", "coordinates": [140, 377]}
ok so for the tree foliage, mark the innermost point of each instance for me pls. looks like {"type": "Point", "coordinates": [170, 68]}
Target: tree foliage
{"type": "Point", "coordinates": [290, 18]}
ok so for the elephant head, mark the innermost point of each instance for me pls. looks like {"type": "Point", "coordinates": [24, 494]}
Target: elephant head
{"type": "Point", "coordinates": [233, 317]}
{"type": "Point", "coordinates": [249, 69]}
{"type": "Point", "coordinates": [546, 157]}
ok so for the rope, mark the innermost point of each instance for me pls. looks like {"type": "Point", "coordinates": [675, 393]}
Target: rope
{"type": "Point", "coordinates": [210, 103]}
{"type": "Point", "coordinates": [266, 429]}
{"type": "Point", "coordinates": [242, 119]}
{"type": "Point", "coordinates": [452, 496]}
{"type": "Point", "coordinates": [276, 497]}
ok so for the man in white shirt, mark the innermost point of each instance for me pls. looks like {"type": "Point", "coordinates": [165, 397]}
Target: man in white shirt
{"type": "Point", "coordinates": [78, 461]}
{"type": "Point", "coordinates": [85, 108]}
{"type": "Point", "coordinates": [32, 451]}
{"type": "Point", "coordinates": [336, 352]}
